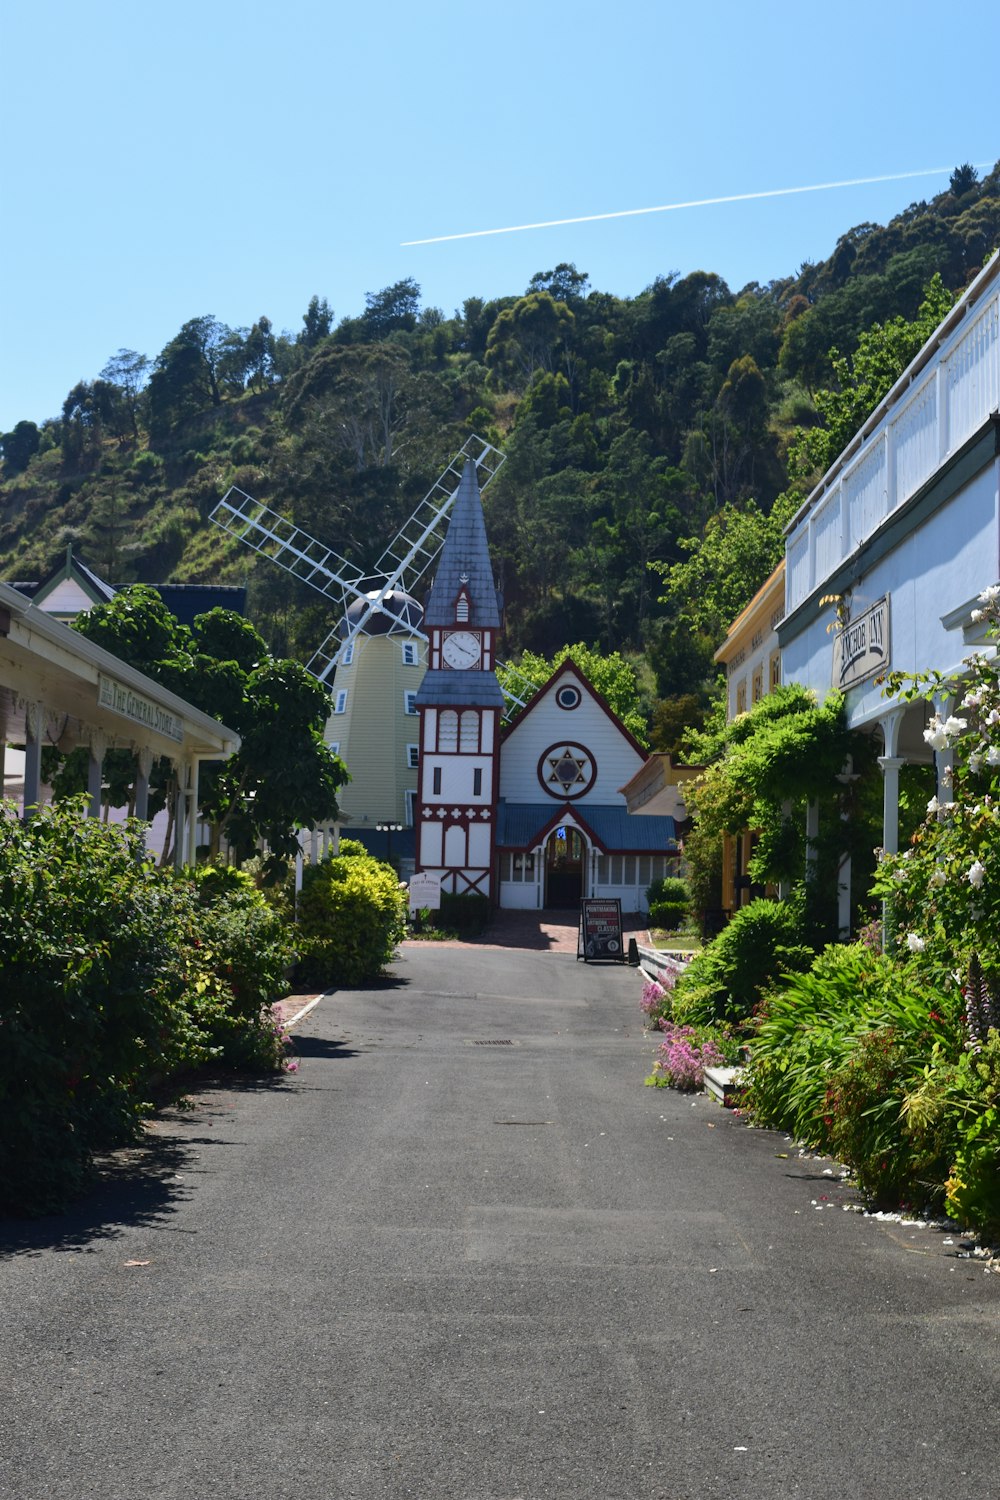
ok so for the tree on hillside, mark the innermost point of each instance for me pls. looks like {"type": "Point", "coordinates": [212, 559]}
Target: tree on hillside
{"type": "Point", "coordinates": [317, 321]}
{"type": "Point", "coordinates": [186, 375]}
{"type": "Point", "coordinates": [534, 334]}
{"type": "Point", "coordinates": [127, 372]}
{"type": "Point", "coordinates": [283, 777]}
{"type": "Point", "coordinates": [18, 447]}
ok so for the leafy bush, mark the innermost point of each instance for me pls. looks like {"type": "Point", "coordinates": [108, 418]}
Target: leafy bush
{"type": "Point", "coordinates": [352, 913]}
{"type": "Point", "coordinates": [245, 945]}
{"type": "Point", "coordinates": [116, 982]}
{"type": "Point", "coordinates": [851, 1058]}
{"type": "Point", "coordinates": [668, 888]}
{"type": "Point", "coordinates": [727, 978]}
{"type": "Point", "coordinates": [973, 1184]}
{"type": "Point", "coordinates": [667, 915]}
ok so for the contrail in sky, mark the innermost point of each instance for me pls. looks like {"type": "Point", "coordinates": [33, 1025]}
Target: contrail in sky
{"type": "Point", "coordinates": [666, 208]}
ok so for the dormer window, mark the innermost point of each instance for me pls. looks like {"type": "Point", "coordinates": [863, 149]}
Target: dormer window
{"type": "Point", "coordinates": [462, 607]}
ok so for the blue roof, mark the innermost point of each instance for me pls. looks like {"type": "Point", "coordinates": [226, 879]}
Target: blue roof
{"type": "Point", "coordinates": [522, 825]}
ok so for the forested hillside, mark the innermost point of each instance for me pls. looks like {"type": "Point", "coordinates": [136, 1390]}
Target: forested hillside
{"type": "Point", "coordinates": [678, 427]}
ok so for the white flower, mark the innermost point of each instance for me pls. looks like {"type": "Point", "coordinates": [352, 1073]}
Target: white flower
{"type": "Point", "coordinates": [977, 616]}
{"type": "Point", "coordinates": [993, 717]}
{"type": "Point", "coordinates": [938, 877]}
{"type": "Point", "coordinates": [933, 807]}
{"type": "Point", "coordinates": [935, 735]}
{"type": "Point", "coordinates": [914, 943]}
{"type": "Point", "coordinates": [990, 595]}
{"type": "Point", "coordinates": [954, 726]}
{"type": "Point", "coordinates": [975, 762]}
{"type": "Point", "coordinates": [976, 874]}
{"type": "Point", "coordinates": [972, 700]}
{"type": "Point", "coordinates": [993, 755]}
{"type": "Point", "coordinates": [947, 775]}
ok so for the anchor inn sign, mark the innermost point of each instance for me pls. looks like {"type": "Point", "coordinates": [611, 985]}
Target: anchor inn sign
{"type": "Point", "coordinates": [861, 649]}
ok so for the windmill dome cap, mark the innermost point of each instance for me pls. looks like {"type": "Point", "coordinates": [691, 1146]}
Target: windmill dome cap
{"type": "Point", "coordinates": [394, 609]}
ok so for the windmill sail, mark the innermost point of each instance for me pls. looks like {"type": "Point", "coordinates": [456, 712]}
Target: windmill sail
{"type": "Point", "coordinates": [398, 570]}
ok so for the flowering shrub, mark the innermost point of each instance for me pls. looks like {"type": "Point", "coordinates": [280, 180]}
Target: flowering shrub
{"type": "Point", "coordinates": [683, 1056]}
{"type": "Point", "coordinates": [655, 1002]}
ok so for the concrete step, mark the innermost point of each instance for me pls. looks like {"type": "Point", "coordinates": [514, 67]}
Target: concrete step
{"type": "Point", "coordinates": [722, 1083]}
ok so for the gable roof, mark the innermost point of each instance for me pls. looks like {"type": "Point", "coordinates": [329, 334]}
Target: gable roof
{"type": "Point", "coordinates": [586, 686]}
{"type": "Point", "coordinates": [92, 585]}
{"type": "Point", "coordinates": [464, 560]}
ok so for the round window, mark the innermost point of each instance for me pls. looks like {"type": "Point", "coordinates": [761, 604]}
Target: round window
{"type": "Point", "coordinates": [566, 770]}
{"type": "Point", "coordinates": [569, 696]}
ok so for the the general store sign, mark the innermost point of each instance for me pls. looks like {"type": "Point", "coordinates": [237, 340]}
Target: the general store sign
{"type": "Point", "coordinates": [862, 648]}
{"type": "Point", "coordinates": [132, 705]}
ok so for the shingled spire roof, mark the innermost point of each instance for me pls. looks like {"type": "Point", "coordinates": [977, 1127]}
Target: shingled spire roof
{"type": "Point", "coordinates": [464, 561]}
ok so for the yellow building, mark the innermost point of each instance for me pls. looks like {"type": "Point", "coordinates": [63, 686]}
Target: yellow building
{"type": "Point", "coordinates": [751, 658]}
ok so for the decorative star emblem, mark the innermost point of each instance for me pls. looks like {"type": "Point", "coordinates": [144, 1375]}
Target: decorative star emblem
{"type": "Point", "coordinates": [566, 769]}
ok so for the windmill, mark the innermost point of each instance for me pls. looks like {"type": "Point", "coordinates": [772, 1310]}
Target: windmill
{"type": "Point", "coordinates": [374, 721]}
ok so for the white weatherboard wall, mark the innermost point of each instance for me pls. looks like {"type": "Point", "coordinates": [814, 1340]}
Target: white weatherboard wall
{"type": "Point", "coordinates": [588, 725]}
{"type": "Point", "coordinates": [934, 570]}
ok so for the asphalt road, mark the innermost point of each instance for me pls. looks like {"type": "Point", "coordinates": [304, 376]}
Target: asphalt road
{"type": "Point", "coordinates": [463, 1254]}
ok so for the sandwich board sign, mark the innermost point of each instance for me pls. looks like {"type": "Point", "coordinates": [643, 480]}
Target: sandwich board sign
{"type": "Point", "coordinates": [600, 934]}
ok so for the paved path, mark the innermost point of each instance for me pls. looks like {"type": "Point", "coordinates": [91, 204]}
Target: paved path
{"type": "Point", "coordinates": [463, 1254]}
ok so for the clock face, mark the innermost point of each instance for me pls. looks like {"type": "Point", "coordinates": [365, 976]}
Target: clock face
{"type": "Point", "coordinates": [462, 649]}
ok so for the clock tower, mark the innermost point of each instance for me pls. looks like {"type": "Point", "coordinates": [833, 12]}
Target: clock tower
{"type": "Point", "coordinates": [460, 705]}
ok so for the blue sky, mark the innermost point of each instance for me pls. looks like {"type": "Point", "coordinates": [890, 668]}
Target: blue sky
{"type": "Point", "coordinates": [169, 161]}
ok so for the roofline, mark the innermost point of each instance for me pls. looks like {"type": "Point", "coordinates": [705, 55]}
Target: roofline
{"type": "Point", "coordinates": [742, 619]}
{"type": "Point", "coordinates": [588, 686]}
{"type": "Point", "coordinates": [48, 628]}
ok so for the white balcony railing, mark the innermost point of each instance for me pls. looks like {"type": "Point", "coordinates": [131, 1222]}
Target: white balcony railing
{"type": "Point", "coordinates": [948, 392]}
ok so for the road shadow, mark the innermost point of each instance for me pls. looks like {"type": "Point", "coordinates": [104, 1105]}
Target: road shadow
{"type": "Point", "coordinates": [134, 1187]}
{"type": "Point", "coordinates": [316, 1046]}
{"type": "Point", "coordinates": [140, 1185]}
{"type": "Point", "coordinates": [547, 931]}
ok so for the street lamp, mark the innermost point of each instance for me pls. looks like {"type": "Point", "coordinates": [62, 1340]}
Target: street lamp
{"type": "Point", "coordinates": [388, 826]}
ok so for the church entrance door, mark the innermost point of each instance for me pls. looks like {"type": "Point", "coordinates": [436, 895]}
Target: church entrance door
{"type": "Point", "coordinates": [565, 853]}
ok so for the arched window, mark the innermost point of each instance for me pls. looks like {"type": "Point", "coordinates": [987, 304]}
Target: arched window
{"type": "Point", "coordinates": [470, 730]}
{"type": "Point", "coordinates": [448, 730]}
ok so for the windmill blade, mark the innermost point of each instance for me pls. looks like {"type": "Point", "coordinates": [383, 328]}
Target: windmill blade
{"type": "Point", "coordinates": [412, 551]}
{"type": "Point", "coordinates": [417, 544]}
{"type": "Point", "coordinates": [517, 688]}
{"type": "Point", "coordinates": [293, 549]}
